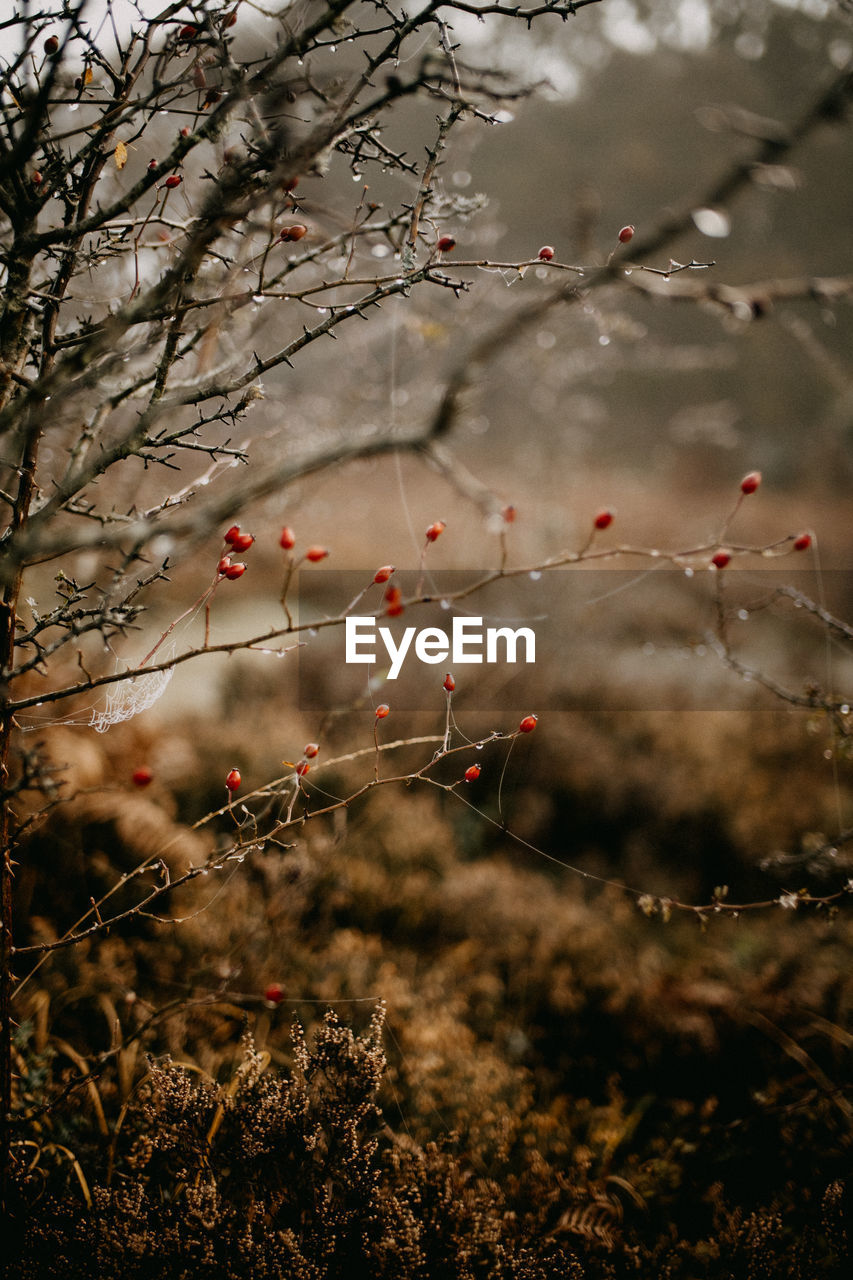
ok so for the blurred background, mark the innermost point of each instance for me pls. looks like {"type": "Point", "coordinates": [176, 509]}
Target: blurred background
{"type": "Point", "coordinates": [534, 1011]}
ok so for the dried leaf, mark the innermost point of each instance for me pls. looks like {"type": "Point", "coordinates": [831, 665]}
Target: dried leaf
{"type": "Point", "coordinates": [120, 155]}
{"type": "Point", "coordinates": [88, 76]}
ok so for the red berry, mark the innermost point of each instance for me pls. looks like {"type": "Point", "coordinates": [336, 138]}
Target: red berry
{"type": "Point", "coordinates": [546, 253]}
{"type": "Point", "coordinates": [302, 768]}
{"type": "Point", "coordinates": [233, 780]}
{"type": "Point", "coordinates": [750, 482]}
{"type": "Point", "coordinates": [235, 571]}
{"type": "Point", "coordinates": [230, 19]}
{"type": "Point", "coordinates": [472, 773]}
{"type": "Point", "coordinates": [153, 164]}
{"type": "Point", "coordinates": [51, 45]}
{"type": "Point", "coordinates": [173, 180]}
{"type": "Point", "coordinates": [316, 554]}
{"type": "Point", "coordinates": [188, 32]}
{"type": "Point", "coordinates": [383, 574]}
{"type": "Point", "coordinates": [232, 533]}
{"type": "Point", "coordinates": [274, 994]}
{"type": "Point", "coordinates": [294, 232]}
{"type": "Point", "coordinates": [449, 682]}
{"type": "Point", "coordinates": [721, 558]}
{"type": "Point", "coordinates": [242, 541]}
{"type": "Point", "coordinates": [142, 776]}
{"type": "Point", "coordinates": [311, 750]}
{"type": "Point", "coordinates": [287, 539]}
{"type": "Point", "coordinates": [36, 178]}
{"type": "Point", "coordinates": [528, 724]}
{"type": "Point", "coordinates": [802, 542]}
{"type": "Point", "coordinates": [382, 711]}
{"type": "Point", "coordinates": [626, 234]}
{"type": "Point", "coordinates": [435, 530]}
{"type": "Point", "coordinates": [224, 565]}
{"type": "Point", "coordinates": [604, 519]}
{"type": "Point", "coordinates": [445, 244]}
{"type": "Point", "coordinates": [394, 601]}
{"type": "Point", "coordinates": [185, 132]}
{"type": "Point", "coordinates": [509, 513]}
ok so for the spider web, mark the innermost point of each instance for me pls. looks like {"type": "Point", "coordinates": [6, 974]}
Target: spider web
{"type": "Point", "coordinates": [127, 698]}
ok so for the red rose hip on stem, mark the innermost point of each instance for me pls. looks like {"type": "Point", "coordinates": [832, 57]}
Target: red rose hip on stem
{"type": "Point", "coordinates": [449, 682]}
{"type": "Point", "coordinates": [750, 482]}
{"type": "Point", "coordinates": [546, 253]}
{"type": "Point", "coordinates": [604, 519]}
{"type": "Point", "coordinates": [173, 180]}
{"type": "Point", "coordinates": [721, 558]}
{"type": "Point", "coordinates": [445, 244]}
{"type": "Point", "coordinates": [435, 530]}
{"type": "Point", "coordinates": [472, 773]}
{"type": "Point", "coordinates": [242, 541]}
{"type": "Point", "coordinates": [626, 234]}
{"type": "Point", "coordinates": [528, 724]}
{"type": "Point", "coordinates": [274, 994]}
{"type": "Point", "coordinates": [311, 750]}
{"type": "Point", "coordinates": [142, 776]}
{"type": "Point", "coordinates": [382, 711]}
{"type": "Point", "coordinates": [383, 574]}
{"type": "Point", "coordinates": [235, 571]}
{"type": "Point", "coordinates": [316, 554]}
{"type": "Point", "coordinates": [233, 779]}
{"type": "Point", "coordinates": [802, 542]}
{"type": "Point", "coordinates": [287, 539]}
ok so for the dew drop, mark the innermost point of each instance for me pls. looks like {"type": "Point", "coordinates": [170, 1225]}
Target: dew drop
{"type": "Point", "coordinates": [688, 573]}
{"type": "Point", "coordinates": [714, 223]}
{"type": "Point", "coordinates": [535, 575]}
